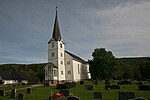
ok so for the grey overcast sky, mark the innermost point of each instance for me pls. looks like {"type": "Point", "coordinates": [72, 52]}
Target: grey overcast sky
{"type": "Point", "coordinates": [120, 26]}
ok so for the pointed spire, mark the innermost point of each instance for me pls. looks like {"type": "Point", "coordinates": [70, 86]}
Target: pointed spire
{"type": "Point", "coordinates": [56, 31]}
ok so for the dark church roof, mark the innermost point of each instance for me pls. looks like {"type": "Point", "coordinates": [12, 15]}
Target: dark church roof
{"type": "Point", "coordinates": [4, 75]}
{"type": "Point", "coordinates": [75, 57]}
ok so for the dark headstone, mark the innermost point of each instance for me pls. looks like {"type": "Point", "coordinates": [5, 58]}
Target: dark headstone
{"type": "Point", "coordinates": [81, 82]}
{"type": "Point", "coordinates": [2, 92]}
{"type": "Point", "coordinates": [73, 98]}
{"type": "Point", "coordinates": [89, 87]}
{"type": "Point", "coordinates": [140, 83]}
{"type": "Point", "coordinates": [95, 82]}
{"type": "Point", "coordinates": [139, 98]}
{"type": "Point", "coordinates": [98, 95]}
{"type": "Point", "coordinates": [144, 87]}
{"type": "Point", "coordinates": [21, 96]}
{"type": "Point", "coordinates": [66, 92]}
{"type": "Point", "coordinates": [124, 82]}
{"type": "Point", "coordinates": [13, 93]}
{"type": "Point", "coordinates": [29, 90]}
{"type": "Point", "coordinates": [126, 95]}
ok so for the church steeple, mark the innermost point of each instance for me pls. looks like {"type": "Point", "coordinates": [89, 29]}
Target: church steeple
{"type": "Point", "coordinates": [56, 31]}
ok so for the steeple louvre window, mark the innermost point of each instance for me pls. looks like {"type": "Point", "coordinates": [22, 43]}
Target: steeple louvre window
{"type": "Point", "coordinates": [61, 45]}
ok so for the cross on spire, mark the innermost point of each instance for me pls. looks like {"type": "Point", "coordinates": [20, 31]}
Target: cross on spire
{"type": "Point", "coordinates": [56, 10]}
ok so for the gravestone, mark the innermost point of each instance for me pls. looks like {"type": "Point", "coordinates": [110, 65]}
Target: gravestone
{"type": "Point", "coordinates": [81, 82]}
{"type": "Point", "coordinates": [126, 95]}
{"type": "Point", "coordinates": [29, 90]}
{"type": "Point", "coordinates": [66, 92]}
{"type": "Point", "coordinates": [139, 98]}
{"type": "Point", "coordinates": [124, 82]}
{"type": "Point", "coordinates": [89, 87]}
{"type": "Point", "coordinates": [140, 83]}
{"type": "Point", "coordinates": [98, 95]}
{"type": "Point", "coordinates": [21, 96]}
{"type": "Point", "coordinates": [73, 98]}
{"type": "Point", "coordinates": [95, 82]}
{"type": "Point", "coordinates": [13, 93]}
{"type": "Point", "coordinates": [2, 92]}
{"type": "Point", "coordinates": [144, 87]}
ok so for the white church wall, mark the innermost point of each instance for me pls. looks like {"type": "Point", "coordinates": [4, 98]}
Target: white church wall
{"type": "Point", "coordinates": [69, 67]}
{"type": "Point", "coordinates": [76, 70]}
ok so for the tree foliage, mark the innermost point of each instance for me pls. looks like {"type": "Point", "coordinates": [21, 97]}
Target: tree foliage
{"type": "Point", "coordinates": [102, 65]}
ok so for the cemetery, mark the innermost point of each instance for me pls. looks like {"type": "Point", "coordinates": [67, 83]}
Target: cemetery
{"type": "Point", "coordinates": [84, 90]}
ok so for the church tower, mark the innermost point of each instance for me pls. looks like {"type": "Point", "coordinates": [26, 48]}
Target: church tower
{"type": "Point", "coordinates": [56, 55]}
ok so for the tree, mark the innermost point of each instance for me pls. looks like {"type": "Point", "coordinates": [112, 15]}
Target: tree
{"type": "Point", "coordinates": [102, 65]}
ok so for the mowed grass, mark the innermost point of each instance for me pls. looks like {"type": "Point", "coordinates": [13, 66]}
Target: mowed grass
{"type": "Point", "coordinates": [42, 93]}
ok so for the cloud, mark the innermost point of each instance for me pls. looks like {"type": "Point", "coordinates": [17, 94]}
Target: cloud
{"type": "Point", "coordinates": [120, 26]}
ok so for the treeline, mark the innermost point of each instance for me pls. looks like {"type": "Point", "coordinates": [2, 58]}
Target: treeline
{"type": "Point", "coordinates": [126, 68]}
{"type": "Point", "coordinates": [35, 72]}
{"type": "Point", "coordinates": [133, 68]}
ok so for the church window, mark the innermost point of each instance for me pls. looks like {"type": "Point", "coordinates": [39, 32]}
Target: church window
{"type": "Point", "coordinates": [78, 69]}
{"type": "Point", "coordinates": [53, 45]}
{"type": "Point", "coordinates": [60, 45]}
{"type": "Point", "coordinates": [62, 73]}
{"type": "Point", "coordinates": [62, 62]}
{"type": "Point", "coordinates": [69, 72]}
{"type": "Point", "coordinates": [52, 54]}
{"type": "Point", "coordinates": [68, 62]}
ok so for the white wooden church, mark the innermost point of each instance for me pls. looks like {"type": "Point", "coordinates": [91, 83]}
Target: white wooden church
{"type": "Point", "coordinates": [63, 65]}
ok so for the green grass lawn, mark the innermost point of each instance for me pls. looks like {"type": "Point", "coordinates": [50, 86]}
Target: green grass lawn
{"type": "Point", "coordinates": [42, 93]}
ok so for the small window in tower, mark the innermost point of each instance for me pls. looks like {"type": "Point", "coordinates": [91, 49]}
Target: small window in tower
{"type": "Point", "coordinates": [61, 45]}
{"type": "Point", "coordinates": [53, 45]}
{"type": "Point", "coordinates": [69, 72]}
{"type": "Point", "coordinates": [62, 62]}
{"type": "Point", "coordinates": [68, 62]}
{"type": "Point", "coordinates": [52, 54]}
{"type": "Point", "coordinates": [61, 54]}
{"type": "Point", "coordinates": [62, 73]}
